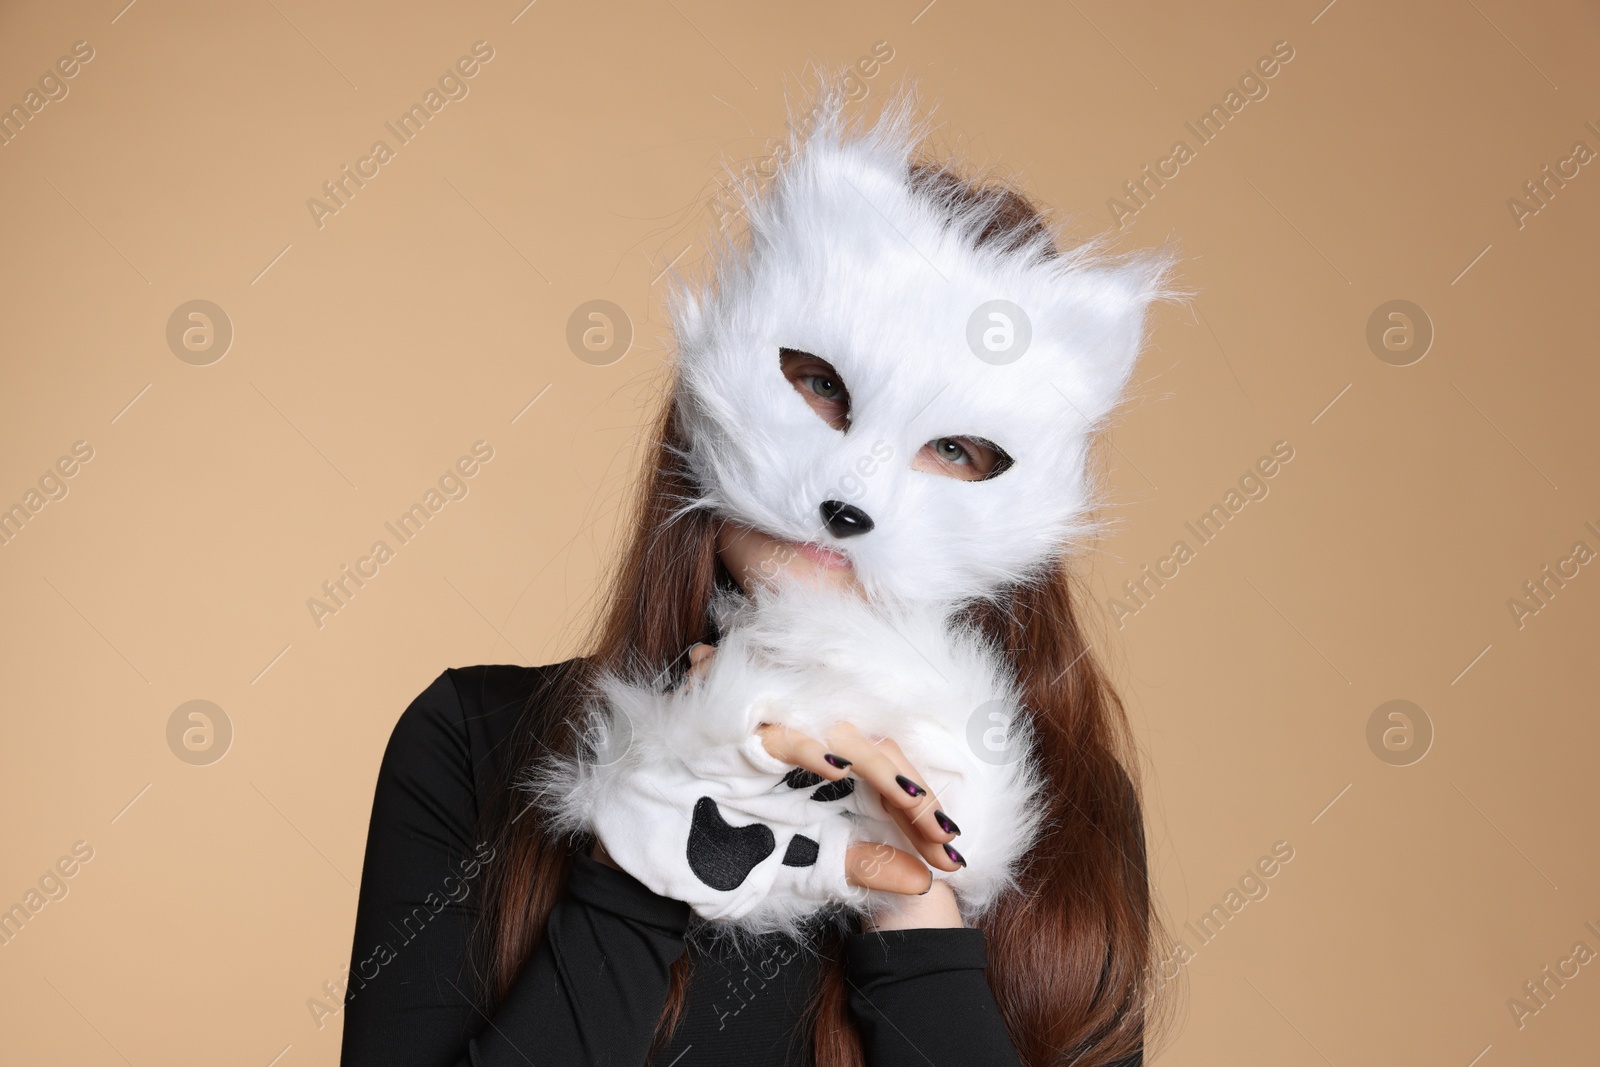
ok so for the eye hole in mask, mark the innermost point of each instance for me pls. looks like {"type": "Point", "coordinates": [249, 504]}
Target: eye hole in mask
{"type": "Point", "coordinates": [971, 459]}
{"type": "Point", "coordinates": [818, 384]}
{"type": "Point", "coordinates": [968, 458]}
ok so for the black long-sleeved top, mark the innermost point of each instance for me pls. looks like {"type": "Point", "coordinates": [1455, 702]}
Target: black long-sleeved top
{"type": "Point", "coordinates": [594, 988]}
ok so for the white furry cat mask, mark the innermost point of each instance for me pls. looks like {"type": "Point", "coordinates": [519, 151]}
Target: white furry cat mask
{"type": "Point", "coordinates": [934, 335]}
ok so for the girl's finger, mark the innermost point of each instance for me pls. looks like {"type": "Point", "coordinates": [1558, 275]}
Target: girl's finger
{"type": "Point", "coordinates": [879, 866]}
{"type": "Point", "coordinates": [930, 819]}
{"type": "Point", "coordinates": [880, 763]}
{"type": "Point", "coordinates": [802, 750]}
{"type": "Point", "coordinates": [935, 854]}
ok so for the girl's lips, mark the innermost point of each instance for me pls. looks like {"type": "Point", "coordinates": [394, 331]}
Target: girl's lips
{"type": "Point", "coordinates": [823, 557]}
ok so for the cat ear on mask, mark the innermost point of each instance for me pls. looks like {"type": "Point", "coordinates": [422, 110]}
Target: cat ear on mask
{"type": "Point", "coordinates": [1100, 320]}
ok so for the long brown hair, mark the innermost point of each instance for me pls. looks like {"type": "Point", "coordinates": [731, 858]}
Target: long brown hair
{"type": "Point", "coordinates": [1073, 953]}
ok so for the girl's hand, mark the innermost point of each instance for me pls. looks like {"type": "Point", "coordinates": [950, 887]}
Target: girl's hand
{"type": "Point", "coordinates": [880, 763]}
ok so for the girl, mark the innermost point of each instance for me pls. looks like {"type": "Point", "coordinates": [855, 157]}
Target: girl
{"type": "Point", "coordinates": [488, 934]}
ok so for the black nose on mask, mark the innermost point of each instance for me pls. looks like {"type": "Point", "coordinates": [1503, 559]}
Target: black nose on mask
{"type": "Point", "coordinates": [845, 520]}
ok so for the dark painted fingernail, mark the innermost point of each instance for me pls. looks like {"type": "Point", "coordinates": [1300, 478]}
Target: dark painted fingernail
{"type": "Point", "coordinates": [954, 855]}
{"type": "Point", "coordinates": [838, 761]}
{"type": "Point", "coordinates": [928, 890]}
{"type": "Point", "coordinates": [909, 786]}
{"type": "Point", "coordinates": [945, 822]}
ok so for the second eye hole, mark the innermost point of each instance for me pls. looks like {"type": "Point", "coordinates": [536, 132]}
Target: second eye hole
{"type": "Point", "coordinates": [969, 459]}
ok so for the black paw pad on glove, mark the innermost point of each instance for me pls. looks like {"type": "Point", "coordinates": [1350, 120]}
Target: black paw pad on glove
{"type": "Point", "coordinates": [802, 851]}
{"type": "Point", "coordinates": [722, 856]}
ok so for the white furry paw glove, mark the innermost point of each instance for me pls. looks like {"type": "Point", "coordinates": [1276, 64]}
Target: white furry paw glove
{"type": "Point", "coordinates": [939, 689]}
{"type": "Point", "coordinates": [684, 796]}
{"type": "Point", "coordinates": [682, 793]}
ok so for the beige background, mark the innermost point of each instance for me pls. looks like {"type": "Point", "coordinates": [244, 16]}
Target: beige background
{"type": "Point", "coordinates": [428, 313]}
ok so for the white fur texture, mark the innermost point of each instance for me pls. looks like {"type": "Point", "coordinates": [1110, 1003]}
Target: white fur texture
{"type": "Point", "coordinates": [808, 658]}
{"type": "Point", "coordinates": [844, 261]}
